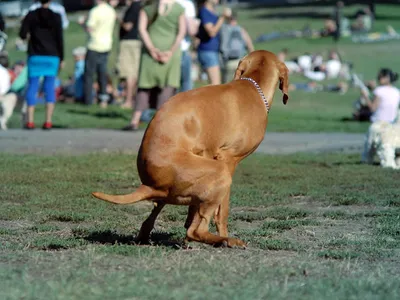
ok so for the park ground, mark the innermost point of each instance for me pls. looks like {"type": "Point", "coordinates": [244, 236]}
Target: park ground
{"type": "Point", "coordinates": [319, 224]}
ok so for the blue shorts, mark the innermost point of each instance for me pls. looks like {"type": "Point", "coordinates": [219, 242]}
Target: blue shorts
{"type": "Point", "coordinates": [43, 65]}
{"type": "Point", "coordinates": [208, 59]}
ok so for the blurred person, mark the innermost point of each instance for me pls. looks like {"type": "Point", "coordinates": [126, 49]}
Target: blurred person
{"type": "Point", "coordinates": [192, 28]}
{"type": "Point", "coordinates": [45, 57]}
{"type": "Point", "coordinates": [7, 100]}
{"type": "Point", "coordinates": [338, 16]}
{"type": "Point", "coordinates": [386, 97]}
{"type": "Point", "coordinates": [162, 26]}
{"type": "Point", "coordinates": [73, 89]}
{"type": "Point", "coordinates": [129, 50]}
{"type": "Point", "coordinates": [209, 37]}
{"type": "Point", "coordinates": [2, 23]}
{"type": "Point", "coordinates": [3, 35]}
{"type": "Point", "coordinates": [363, 22]}
{"type": "Point", "coordinates": [384, 109]}
{"type": "Point", "coordinates": [56, 7]}
{"type": "Point", "coordinates": [100, 26]}
{"type": "Point", "coordinates": [362, 111]}
{"type": "Point", "coordinates": [79, 72]}
{"type": "Point", "coordinates": [235, 43]}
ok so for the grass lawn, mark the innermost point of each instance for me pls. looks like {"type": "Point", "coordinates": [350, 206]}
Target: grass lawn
{"type": "Point", "coordinates": [304, 112]}
{"type": "Point", "coordinates": [318, 227]}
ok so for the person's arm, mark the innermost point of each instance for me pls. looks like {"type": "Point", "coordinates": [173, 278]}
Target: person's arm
{"type": "Point", "coordinates": [2, 23]}
{"type": "Point", "coordinates": [374, 104]}
{"type": "Point", "coordinates": [65, 21]}
{"type": "Point", "coordinates": [192, 23]}
{"type": "Point", "coordinates": [181, 33]}
{"type": "Point", "coordinates": [144, 34]}
{"type": "Point", "coordinates": [90, 22]}
{"type": "Point", "coordinates": [248, 41]}
{"type": "Point", "coordinates": [213, 29]}
{"type": "Point", "coordinates": [24, 30]}
{"type": "Point", "coordinates": [60, 37]}
{"type": "Point", "coordinates": [126, 22]}
{"type": "Point", "coordinates": [224, 41]}
{"type": "Point", "coordinates": [127, 26]}
{"type": "Point", "coordinates": [165, 56]}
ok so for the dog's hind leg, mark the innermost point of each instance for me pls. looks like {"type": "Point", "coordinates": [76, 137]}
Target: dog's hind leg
{"type": "Point", "coordinates": [148, 225]}
{"type": "Point", "coordinates": [143, 192]}
{"type": "Point", "coordinates": [221, 216]}
{"type": "Point", "coordinates": [199, 229]}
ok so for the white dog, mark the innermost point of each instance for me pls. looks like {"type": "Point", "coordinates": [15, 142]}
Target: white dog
{"type": "Point", "coordinates": [7, 103]}
{"type": "Point", "coordinates": [383, 139]}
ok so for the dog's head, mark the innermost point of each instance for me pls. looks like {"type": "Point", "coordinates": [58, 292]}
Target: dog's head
{"type": "Point", "coordinates": [263, 66]}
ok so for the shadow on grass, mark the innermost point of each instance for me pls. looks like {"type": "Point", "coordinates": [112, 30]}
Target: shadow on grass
{"type": "Point", "coordinates": [110, 237]}
{"type": "Point", "coordinates": [104, 114]}
{"type": "Point", "coordinates": [350, 119]}
{"type": "Point", "coordinates": [59, 126]}
{"type": "Point", "coordinates": [295, 15]}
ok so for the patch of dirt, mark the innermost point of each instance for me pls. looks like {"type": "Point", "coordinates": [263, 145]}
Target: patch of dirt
{"type": "Point", "coordinates": [16, 224]}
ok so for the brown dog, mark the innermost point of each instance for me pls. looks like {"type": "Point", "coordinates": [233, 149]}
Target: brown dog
{"type": "Point", "coordinates": [192, 146]}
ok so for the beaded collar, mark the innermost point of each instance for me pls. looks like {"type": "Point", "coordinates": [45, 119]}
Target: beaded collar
{"type": "Point", "coordinates": [259, 90]}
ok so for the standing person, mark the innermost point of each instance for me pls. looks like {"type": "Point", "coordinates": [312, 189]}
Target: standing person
{"type": "Point", "coordinates": [162, 26]}
{"type": "Point", "coordinates": [2, 23]}
{"type": "Point", "coordinates": [100, 26]}
{"type": "Point", "coordinates": [45, 57]}
{"type": "Point", "coordinates": [338, 15]}
{"type": "Point", "coordinates": [56, 7]}
{"type": "Point", "coordinates": [235, 43]}
{"type": "Point", "coordinates": [209, 36]}
{"type": "Point", "coordinates": [385, 105]}
{"type": "Point", "coordinates": [129, 50]}
{"type": "Point", "coordinates": [192, 27]}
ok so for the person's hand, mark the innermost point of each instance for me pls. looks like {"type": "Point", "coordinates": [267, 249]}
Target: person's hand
{"type": "Point", "coordinates": [227, 12]}
{"type": "Point", "coordinates": [165, 56]}
{"type": "Point", "coordinates": [62, 65]}
{"type": "Point", "coordinates": [81, 20]}
{"type": "Point", "coordinates": [155, 54]}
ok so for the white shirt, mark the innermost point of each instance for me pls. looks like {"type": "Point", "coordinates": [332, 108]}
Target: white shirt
{"type": "Point", "coordinates": [305, 62]}
{"type": "Point", "coordinates": [333, 68]}
{"type": "Point", "coordinates": [389, 104]}
{"type": "Point", "coordinates": [5, 81]}
{"type": "Point", "coordinates": [55, 7]}
{"type": "Point", "coordinates": [190, 12]}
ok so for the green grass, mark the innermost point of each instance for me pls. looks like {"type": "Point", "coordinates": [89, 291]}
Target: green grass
{"type": "Point", "coordinates": [305, 112]}
{"type": "Point", "coordinates": [316, 227]}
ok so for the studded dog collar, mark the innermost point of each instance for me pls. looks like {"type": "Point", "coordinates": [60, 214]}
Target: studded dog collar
{"type": "Point", "coordinates": [259, 90]}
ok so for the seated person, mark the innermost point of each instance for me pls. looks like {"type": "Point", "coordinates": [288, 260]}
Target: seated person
{"type": "Point", "coordinates": [292, 66]}
{"type": "Point", "coordinates": [362, 111]}
{"type": "Point", "coordinates": [363, 22]}
{"type": "Point", "coordinates": [313, 87]}
{"type": "Point", "coordinates": [73, 89]}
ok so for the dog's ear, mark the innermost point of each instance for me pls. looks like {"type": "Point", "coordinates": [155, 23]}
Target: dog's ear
{"type": "Point", "coordinates": [240, 69]}
{"type": "Point", "coordinates": [284, 81]}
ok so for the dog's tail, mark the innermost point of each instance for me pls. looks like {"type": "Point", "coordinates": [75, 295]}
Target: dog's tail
{"type": "Point", "coordinates": [143, 192]}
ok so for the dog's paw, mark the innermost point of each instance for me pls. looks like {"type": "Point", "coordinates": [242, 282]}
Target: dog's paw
{"type": "Point", "coordinates": [234, 243]}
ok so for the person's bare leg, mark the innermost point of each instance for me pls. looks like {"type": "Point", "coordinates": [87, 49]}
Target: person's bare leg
{"type": "Point", "coordinates": [31, 113]}
{"type": "Point", "coordinates": [130, 92]}
{"type": "Point", "coordinates": [214, 75]}
{"type": "Point", "coordinates": [49, 112]}
{"type": "Point", "coordinates": [143, 99]}
{"type": "Point", "coordinates": [165, 93]}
